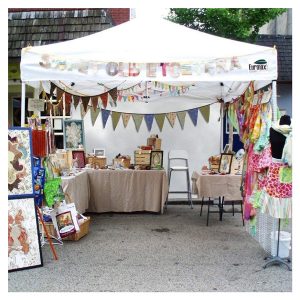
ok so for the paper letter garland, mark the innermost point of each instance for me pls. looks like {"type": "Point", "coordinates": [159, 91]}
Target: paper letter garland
{"type": "Point", "coordinates": [149, 121]}
{"type": "Point", "coordinates": [193, 113]}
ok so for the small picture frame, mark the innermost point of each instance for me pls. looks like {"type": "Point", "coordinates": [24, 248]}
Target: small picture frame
{"type": "Point", "coordinates": [73, 134]}
{"type": "Point", "coordinates": [99, 152]}
{"type": "Point", "coordinates": [79, 156]}
{"type": "Point", "coordinates": [226, 148]}
{"type": "Point", "coordinates": [156, 160]}
{"type": "Point", "coordinates": [225, 163]}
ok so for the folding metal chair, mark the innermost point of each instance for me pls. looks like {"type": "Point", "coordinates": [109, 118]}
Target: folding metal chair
{"type": "Point", "coordinates": [179, 156]}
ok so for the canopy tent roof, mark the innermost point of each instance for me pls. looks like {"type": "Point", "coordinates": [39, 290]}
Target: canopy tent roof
{"type": "Point", "coordinates": [143, 50]}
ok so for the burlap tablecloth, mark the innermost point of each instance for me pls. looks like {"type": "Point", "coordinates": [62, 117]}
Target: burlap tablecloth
{"type": "Point", "coordinates": [78, 189]}
{"type": "Point", "coordinates": [120, 190]}
{"type": "Point", "coordinates": [227, 186]}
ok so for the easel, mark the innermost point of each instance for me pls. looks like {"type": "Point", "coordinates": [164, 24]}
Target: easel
{"type": "Point", "coordinates": [47, 234]}
{"type": "Point", "coordinates": [277, 260]}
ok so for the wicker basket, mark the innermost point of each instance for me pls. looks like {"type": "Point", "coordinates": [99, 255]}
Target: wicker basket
{"type": "Point", "coordinates": [84, 229]}
{"type": "Point", "coordinates": [124, 162]}
{"type": "Point", "coordinates": [96, 162]}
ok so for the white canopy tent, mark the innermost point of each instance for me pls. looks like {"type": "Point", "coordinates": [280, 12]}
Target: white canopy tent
{"type": "Point", "coordinates": [144, 50]}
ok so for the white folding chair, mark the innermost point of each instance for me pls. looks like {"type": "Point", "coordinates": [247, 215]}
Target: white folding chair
{"type": "Point", "coordinates": [174, 157]}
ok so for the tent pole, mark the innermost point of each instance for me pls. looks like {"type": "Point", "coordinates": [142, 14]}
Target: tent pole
{"type": "Point", "coordinates": [23, 104]}
{"type": "Point", "coordinates": [274, 100]}
{"type": "Point", "coordinates": [222, 127]}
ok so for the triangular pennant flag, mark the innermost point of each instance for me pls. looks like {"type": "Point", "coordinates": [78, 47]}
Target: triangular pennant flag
{"type": "Point", "coordinates": [104, 98]}
{"type": "Point", "coordinates": [59, 93]}
{"type": "Point", "coordinates": [105, 114]}
{"type": "Point", "coordinates": [115, 116]}
{"type": "Point", "coordinates": [205, 112]}
{"type": "Point", "coordinates": [52, 89]}
{"type": "Point", "coordinates": [126, 118]}
{"type": "Point", "coordinates": [95, 102]}
{"type": "Point", "coordinates": [160, 119]}
{"type": "Point", "coordinates": [114, 93]}
{"type": "Point", "coordinates": [193, 113]}
{"type": "Point", "coordinates": [149, 121]}
{"type": "Point", "coordinates": [112, 102]}
{"type": "Point", "coordinates": [181, 117]}
{"type": "Point", "coordinates": [171, 118]}
{"type": "Point", "coordinates": [94, 115]}
{"type": "Point", "coordinates": [76, 101]}
{"type": "Point", "coordinates": [82, 111]}
{"type": "Point", "coordinates": [85, 102]}
{"type": "Point", "coordinates": [137, 118]}
{"type": "Point", "coordinates": [68, 98]}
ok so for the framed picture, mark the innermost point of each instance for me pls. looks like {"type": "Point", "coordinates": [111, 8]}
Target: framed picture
{"type": "Point", "coordinates": [79, 156]}
{"type": "Point", "coordinates": [24, 247]}
{"type": "Point", "coordinates": [99, 152]}
{"type": "Point", "coordinates": [20, 163]}
{"type": "Point", "coordinates": [225, 163]}
{"type": "Point", "coordinates": [73, 134]}
{"type": "Point", "coordinates": [156, 159]}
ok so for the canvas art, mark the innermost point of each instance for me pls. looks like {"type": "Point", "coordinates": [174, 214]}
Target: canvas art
{"type": "Point", "coordinates": [20, 175]}
{"type": "Point", "coordinates": [24, 250]}
{"type": "Point", "coordinates": [73, 134]}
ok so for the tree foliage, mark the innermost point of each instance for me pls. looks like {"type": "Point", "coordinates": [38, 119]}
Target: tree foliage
{"type": "Point", "coordinates": [234, 23]}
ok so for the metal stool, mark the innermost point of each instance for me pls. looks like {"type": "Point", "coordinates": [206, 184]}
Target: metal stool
{"type": "Point", "coordinates": [179, 155]}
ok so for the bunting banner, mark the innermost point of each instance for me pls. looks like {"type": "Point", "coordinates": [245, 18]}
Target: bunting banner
{"type": "Point", "coordinates": [205, 112]}
{"type": "Point", "coordinates": [85, 102]}
{"type": "Point", "coordinates": [94, 102]}
{"type": "Point", "coordinates": [126, 118]}
{"type": "Point", "coordinates": [193, 113]}
{"type": "Point", "coordinates": [181, 118]}
{"type": "Point", "coordinates": [59, 93]}
{"type": "Point", "coordinates": [137, 118]}
{"type": "Point", "coordinates": [160, 119]}
{"type": "Point", "coordinates": [171, 118]}
{"type": "Point", "coordinates": [76, 101]}
{"type": "Point", "coordinates": [94, 115]}
{"type": "Point", "coordinates": [149, 121]}
{"type": "Point", "coordinates": [83, 111]}
{"type": "Point", "coordinates": [104, 98]}
{"type": "Point", "coordinates": [115, 116]}
{"type": "Point", "coordinates": [113, 94]}
{"type": "Point", "coordinates": [105, 114]}
{"type": "Point", "coordinates": [52, 89]}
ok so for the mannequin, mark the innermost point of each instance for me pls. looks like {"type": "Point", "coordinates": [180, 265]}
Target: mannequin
{"type": "Point", "coordinates": [277, 139]}
{"type": "Point", "coordinates": [276, 197]}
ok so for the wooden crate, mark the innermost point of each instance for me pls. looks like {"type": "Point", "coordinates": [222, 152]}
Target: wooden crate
{"type": "Point", "coordinates": [84, 229]}
{"type": "Point", "coordinates": [50, 228]}
{"type": "Point", "coordinates": [155, 143]}
{"type": "Point", "coordinates": [96, 162]}
{"type": "Point", "coordinates": [124, 162]}
{"type": "Point", "coordinates": [142, 157]}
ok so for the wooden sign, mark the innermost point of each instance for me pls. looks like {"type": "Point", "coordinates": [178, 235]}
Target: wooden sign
{"type": "Point", "coordinates": [36, 104]}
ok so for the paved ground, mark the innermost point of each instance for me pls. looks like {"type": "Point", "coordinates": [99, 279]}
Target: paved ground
{"type": "Point", "coordinates": [149, 252]}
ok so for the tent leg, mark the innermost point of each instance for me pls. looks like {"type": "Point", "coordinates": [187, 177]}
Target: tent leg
{"type": "Point", "coordinates": [23, 104]}
{"type": "Point", "coordinates": [274, 100]}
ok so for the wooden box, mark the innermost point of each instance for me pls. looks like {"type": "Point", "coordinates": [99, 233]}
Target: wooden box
{"type": "Point", "coordinates": [96, 162]}
{"type": "Point", "coordinates": [84, 229]}
{"type": "Point", "coordinates": [155, 143]}
{"type": "Point", "coordinates": [142, 157]}
{"type": "Point", "coordinates": [124, 162]}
